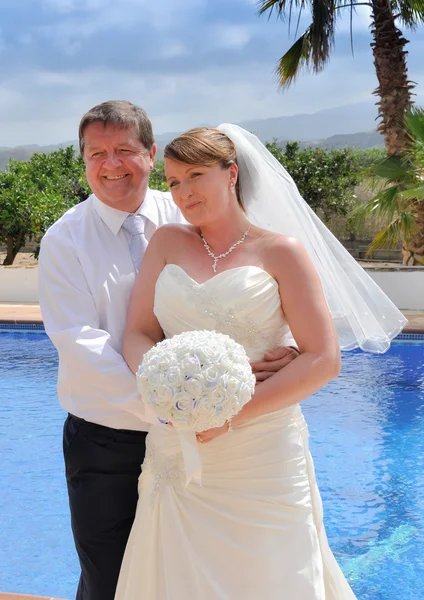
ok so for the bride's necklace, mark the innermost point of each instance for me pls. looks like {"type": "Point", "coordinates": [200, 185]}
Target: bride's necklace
{"type": "Point", "coordinates": [224, 254]}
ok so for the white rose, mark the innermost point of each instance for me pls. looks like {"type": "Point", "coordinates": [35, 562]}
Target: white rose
{"type": "Point", "coordinates": [161, 403]}
{"type": "Point", "coordinates": [174, 377]}
{"type": "Point", "coordinates": [203, 403]}
{"type": "Point", "coordinates": [164, 394]}
{"type": "Point", "coordinates": [182, 402]}
{"type": "Point", "coordinates": [190, 366]}
{"type": "Point", "coordinates": [148, 367]}
{"type": "Point", "coordinates": [218, 395]}
{"type": "Point", "coordinates": [164, 363]}
{"type": "Point", "coordinates": [211, 374]}
{"type": "Point", "coordinates": [156, 379]}
{"type": "Point", "coordinates": [225, 364]}
{"type": "Point", "coordinates": [232, 385]}
{"type": "Point", "coordinates": [193, 387]}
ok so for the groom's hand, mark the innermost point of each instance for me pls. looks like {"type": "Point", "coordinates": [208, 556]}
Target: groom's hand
{"type": "Point", "coordinates": [273, 361]}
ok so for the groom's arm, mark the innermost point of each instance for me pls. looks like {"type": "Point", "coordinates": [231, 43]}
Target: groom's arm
{"type": "Point", "coordinates": [276, 359]}
{"type": "Point", "coordinates": [93, 373]}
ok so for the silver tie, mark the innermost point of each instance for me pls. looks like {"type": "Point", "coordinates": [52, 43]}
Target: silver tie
{"type": "Point", "coordinates": [134, 224]}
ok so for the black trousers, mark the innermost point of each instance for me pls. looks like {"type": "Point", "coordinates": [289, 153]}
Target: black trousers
{"type": "Point", "coordinates": [102, 470]}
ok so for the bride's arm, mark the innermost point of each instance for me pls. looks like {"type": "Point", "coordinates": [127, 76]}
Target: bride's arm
{"type": "Point", "coordinates": [308, 317]}
{"type": "Point", "coordinates": [142, 329]}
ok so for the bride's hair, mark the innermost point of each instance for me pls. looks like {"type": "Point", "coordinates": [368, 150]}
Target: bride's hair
{"type": "Point", "coordinates": [204, 146]}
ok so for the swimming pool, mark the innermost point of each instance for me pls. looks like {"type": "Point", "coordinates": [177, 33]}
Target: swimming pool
{"type": "Point", "coordinates": [367, 438]}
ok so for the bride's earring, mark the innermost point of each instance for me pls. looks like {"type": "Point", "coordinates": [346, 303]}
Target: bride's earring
{"type": "Point", "coordinates": [232, 188]}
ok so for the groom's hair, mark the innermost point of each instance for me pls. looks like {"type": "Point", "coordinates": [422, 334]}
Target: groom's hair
{"type": "Point", "coordinates": [204, 146]}
{"type": "Point", "coordinates": [122, 114]}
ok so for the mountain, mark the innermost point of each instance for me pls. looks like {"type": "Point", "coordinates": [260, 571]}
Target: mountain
{"type": "Point", "coordinates": [25, 152]}
{"type": "Point", "coordinates": [332, 128]}
{"type": "Point", "coordinates": [319, 125]}
{"type": "Point", "coordinates": [363, 140]}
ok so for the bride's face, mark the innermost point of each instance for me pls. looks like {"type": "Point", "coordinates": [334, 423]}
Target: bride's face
{"type": "Point", "coordinates": [202, 193]}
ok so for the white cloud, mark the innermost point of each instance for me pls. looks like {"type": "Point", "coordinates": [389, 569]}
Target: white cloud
{"type": "Point", "coordinates": [45, 107]}
{"type": "Point", "coordinates": [80, 20]}
{"type": "Point", "coordinates": [11, 99]}
{"type": "Point", "coordinates": [194, 71]}
{"type": "Point", "coordinates": [52, 78]}
{"type": "Point", "coordinates": [68, 6]}
{"type": "Point", "coordinates": [230, 36]}
{"type": "Point", "coordinates": [160, 15]}
{"type": "Point", "coordinates": [172, 49]}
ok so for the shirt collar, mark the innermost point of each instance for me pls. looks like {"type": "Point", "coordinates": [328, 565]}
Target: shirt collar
{"type": "Point", "coordinates": [114, 218]}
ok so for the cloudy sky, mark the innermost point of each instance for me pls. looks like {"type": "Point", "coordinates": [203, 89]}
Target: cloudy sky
{"type": "Point", "coordinates": [187, 62]}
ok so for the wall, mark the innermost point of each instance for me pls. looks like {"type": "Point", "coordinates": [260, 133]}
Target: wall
{"type": "Point", "coordinates": [18, 285]}
{"type": "Point", "coordinates": [403, 285]}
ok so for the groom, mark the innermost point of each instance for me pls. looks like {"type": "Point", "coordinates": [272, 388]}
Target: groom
{"type": "Point", "coordinates": [87, 266]}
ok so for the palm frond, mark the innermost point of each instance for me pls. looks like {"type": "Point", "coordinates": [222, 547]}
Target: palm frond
{"type": "Point", "coordinates": [400, 228]}
{"type": "Point", "coordinates": [388, 237]}
{"type": "Point", "coordinates": [393, 168]}
{"type": "Point", "coordinates": [411, 12]}
{"type": "Point", "coordinates": [322, 31]}
{"type": "Point", "coordinates": [279, 6]}
{"type": "Point", "coordinates": [316, 43]}
{"type": "Point", "coordinates": [414, 120]}
{"type": "Point", "coordinates": [294, 59]}
{"type": "Point", "coordinates": [385, 204]}
{"type": "Point", "coordinates": [414, 193]}
{"type": "Point", "coordinates": [417, 5]}
{"type": "Point", "coordinates": [409, 224]}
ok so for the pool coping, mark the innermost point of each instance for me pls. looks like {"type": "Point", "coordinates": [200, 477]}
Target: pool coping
{"type": "Point", "coordinates": [10, 596]}
{"type": "Point", "coordinates": [30, 314]}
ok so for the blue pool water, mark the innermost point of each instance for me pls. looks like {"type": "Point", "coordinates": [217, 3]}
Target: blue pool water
{"type": "Point", "coordinates": [367, 439]}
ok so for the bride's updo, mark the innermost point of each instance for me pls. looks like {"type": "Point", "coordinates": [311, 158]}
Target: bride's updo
{"type": "Point", "coordinates": [204, 146]}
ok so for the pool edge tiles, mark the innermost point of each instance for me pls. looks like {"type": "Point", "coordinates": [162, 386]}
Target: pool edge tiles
{"type": "Point", "coordinates": [8, 326]}
{"type": "Point", "coordinates": [28, 327]}
{"type": "Point", "coordinates": [410, 336]}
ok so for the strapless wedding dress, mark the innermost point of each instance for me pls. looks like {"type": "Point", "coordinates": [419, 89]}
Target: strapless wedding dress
{"type": "Point", "coordinates": [254, 529]}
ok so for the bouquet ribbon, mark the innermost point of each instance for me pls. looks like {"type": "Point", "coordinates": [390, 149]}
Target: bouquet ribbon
{"type": "Point", "coordinates": [191, 456]}
{"type": "Point", "coordinates": [189, 449]}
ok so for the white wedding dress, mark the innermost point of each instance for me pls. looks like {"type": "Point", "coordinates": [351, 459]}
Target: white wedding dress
{"type": "Point", "coordinates": [254, 529]}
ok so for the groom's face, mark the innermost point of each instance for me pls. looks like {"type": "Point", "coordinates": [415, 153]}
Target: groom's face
{"type": "Point", "coordinates": [117, 165]}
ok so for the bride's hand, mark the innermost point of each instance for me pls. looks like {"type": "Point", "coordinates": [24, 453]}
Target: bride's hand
{"type": "Point", "coordinates": [210, 434]}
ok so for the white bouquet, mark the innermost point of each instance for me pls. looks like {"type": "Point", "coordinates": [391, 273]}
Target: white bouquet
{"type": "Point", "coordinates": [196, 380]}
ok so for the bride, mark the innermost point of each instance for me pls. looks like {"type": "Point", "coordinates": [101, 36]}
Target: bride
{"type": "Point", "coordinates": [253, 529]}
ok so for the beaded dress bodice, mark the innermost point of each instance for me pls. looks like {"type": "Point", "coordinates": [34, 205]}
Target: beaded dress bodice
{"type": "Point", "coordinates": [243, 302]}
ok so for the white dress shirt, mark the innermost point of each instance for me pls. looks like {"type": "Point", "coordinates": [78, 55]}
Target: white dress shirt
{"type": "Point", "coordinates": [86, 276]}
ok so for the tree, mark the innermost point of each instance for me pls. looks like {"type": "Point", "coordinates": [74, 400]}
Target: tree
{"type": "Point", "coordinates": [401, 198]}
{"type": "Point", "coordinates": [313, 48]}
{"type": "Point", "coordinates": [34, 194]}
{"type": "Point", "coordinates": [326, 178]}
{"type": "Point", "coordinates": [157, 179]}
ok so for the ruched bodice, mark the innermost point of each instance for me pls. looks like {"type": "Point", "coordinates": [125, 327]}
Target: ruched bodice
{"type": "Point", "coordinates": [243, 302]}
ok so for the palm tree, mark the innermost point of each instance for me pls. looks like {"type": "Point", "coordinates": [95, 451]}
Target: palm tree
{"type": "Point", "coordinates": [401, 199]}
{"type": "Point", "coordinates": [313, 48]}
